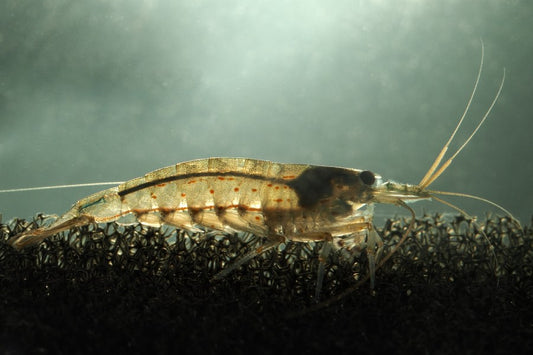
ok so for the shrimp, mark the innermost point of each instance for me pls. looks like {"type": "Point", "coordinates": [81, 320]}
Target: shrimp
{"type": "Point", "coordinates": [276, 201]}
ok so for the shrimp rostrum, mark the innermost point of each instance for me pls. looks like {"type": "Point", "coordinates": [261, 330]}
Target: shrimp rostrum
{"type": "Point", "coordinates": [280, 202]}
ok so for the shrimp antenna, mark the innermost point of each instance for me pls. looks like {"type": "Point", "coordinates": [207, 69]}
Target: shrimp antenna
{"type": "Point", "coordinates": [474, 197]}
{"type": "Point", "coordinates": [432, 173]}
{"type": "Point", "coordinates": [425, 183]}
{"type": "Point", "coordinates": [61, 186]}
{"type": "Point", "coordinates": [440, 156]}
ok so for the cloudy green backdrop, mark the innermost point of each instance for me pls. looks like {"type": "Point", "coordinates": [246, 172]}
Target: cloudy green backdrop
{"type": "Point", "coordinates": [108, 90]}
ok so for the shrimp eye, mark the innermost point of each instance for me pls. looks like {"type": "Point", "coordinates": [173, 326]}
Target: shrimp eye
{"type": "Point", "coordinates": [367, 177]}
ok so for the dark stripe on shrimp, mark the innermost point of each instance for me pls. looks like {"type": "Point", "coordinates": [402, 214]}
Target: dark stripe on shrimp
{"type": "Point", "coordinates": [193, 175]}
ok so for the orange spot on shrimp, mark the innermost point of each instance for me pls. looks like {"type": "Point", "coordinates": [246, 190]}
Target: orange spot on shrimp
{"type": "Point", "coordinates": [191, 181]}
{"type": "Point", "coordinates": [269, 185]}
{"type": "Point", "coordinates": [231, 178]}
{"type": "Point", "coordinates": [212, 191]}
{"type": "Point", "coordinates": [153, 196]}
{"type": "Point", "coordinates": [277, 187]}
{"type": "Point", "coordinates": [161, 185]}
{"type": "Point", "coordinates": [236, 189]}
{"type": "Point", "coordinates": [288, 177]}
{"type": "Point", "coordinates": [254, 190]}
{"type": "Point", "coordinates": [257, 218]}
{"type": "Point", "coordinates": [278, 200]}
{"type": "Point", "coordinates": [221, 178]}
{"type": "Point", "coordinates": [285, 187]}
{"type": "Point", "coordinates": [183, 194]}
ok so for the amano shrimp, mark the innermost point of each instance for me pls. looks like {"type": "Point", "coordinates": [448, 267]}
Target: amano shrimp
{"type": "Point", "coordinates": [276, 201]}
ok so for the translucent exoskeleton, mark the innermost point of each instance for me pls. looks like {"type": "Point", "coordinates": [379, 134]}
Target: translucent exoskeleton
{"type": "Point", "coordinates": [280, 202]}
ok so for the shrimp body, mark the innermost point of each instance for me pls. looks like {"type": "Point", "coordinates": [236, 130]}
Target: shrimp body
{"type": "Point", "coordinates": [276, 201]}
{"type": "Point", "coordinates": [272, 200]}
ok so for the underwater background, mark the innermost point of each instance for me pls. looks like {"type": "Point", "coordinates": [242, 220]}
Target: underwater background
{"type": "Point", "coordinates": [109, 90]}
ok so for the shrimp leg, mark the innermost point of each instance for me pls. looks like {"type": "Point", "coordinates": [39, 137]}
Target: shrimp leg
{"type": "Point", "coordinates": [272, 243]}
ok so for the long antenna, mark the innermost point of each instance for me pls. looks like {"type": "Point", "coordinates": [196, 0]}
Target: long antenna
{"type": "Point", "coordinates": [474, 197]}
{"type": "Point", "coordinates": [437, 161]}
{"type": "Point", "coordinates": [61, 186]}
{"type": "Point", "coordinates": [449, 161]}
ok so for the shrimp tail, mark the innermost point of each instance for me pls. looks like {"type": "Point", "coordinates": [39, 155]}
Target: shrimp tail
{"type": "Point", "coordinates": [67, 221]}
